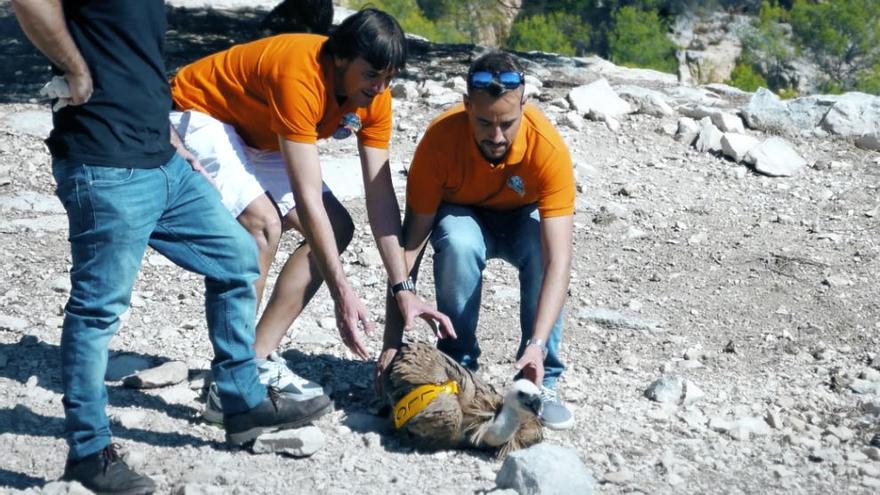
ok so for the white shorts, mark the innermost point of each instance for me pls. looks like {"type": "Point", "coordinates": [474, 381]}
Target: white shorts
{"type": "Point", "coordinates": [242, 173]}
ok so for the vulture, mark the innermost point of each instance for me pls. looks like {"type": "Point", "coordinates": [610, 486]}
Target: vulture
{"type": "Point", "coordinates": [438, 404]}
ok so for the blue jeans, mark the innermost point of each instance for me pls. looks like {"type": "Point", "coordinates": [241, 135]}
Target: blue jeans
{"type": "Point", "coordinates": [463, 239]}
{"type": "Point", "coordinates": [113, 214]}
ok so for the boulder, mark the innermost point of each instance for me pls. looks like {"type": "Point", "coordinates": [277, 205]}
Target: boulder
{"type": "Point", "coordinates": [598, 101]}
{"type": "Point", "coordinates": [854, 114]}
{"type": "Point", "coordinates": [869, 141]}
{"type": "Point", "coordinates": [736, 146]}
{"type": "Point", "coordinates": [545, 469]}
{"type": "Point", "coordinates": [647, 101]}
{"type": "Point", "coordinates": [775, 157]}
{"type": "Point", "coordinates": [709, 138]}
{"type": "Point", "coordinates": [688, 130]}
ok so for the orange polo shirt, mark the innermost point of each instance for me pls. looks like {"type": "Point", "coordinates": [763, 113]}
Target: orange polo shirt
{"type": "Point", "coordinates": [448, 167]}
{"type": "Point", "coordinates": [279, 85]}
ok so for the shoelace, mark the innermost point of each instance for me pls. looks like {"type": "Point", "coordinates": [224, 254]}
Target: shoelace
{"type": "Point", "coordinates": [274, 395]}
{"type": "Point", "coordinates": [110, 455]}
{"type": "Point", "coordinates": [548, 395]}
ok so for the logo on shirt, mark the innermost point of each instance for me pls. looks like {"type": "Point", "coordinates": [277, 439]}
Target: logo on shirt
{"type": "Point", "coordinates": [349, 125]}
{"type": "Point", "coordinates": [515, 182]}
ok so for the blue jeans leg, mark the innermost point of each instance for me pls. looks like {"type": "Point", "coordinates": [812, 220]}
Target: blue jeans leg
{"type": "Point", "coordinates": [460, 253]}
{"type": "Point", "coordinates": [112, 213]}
{"type": "Point", "coordinates": [197, 233]}
{"type": "Point", "coordinates": [517, 236]}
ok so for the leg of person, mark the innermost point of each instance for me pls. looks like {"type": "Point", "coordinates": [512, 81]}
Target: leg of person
{"type": "Point", "coordinates": [522, 248]}
{"type": "Point", "coordinates": [196, 233]}
{"type": "Point", "coordinates": [461, 248]}
{"type": "Point", "coordinates": [299, 279]}
{"type": "Point", "coordinates": [111, 213]}
{"type": "Point", "coordinates": [226, 157]}
{"type": "Point", "coordinates": [260, 218]}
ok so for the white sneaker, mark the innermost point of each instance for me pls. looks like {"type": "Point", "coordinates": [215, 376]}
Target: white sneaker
{"type": "Point", "coordinates": [272, 372]}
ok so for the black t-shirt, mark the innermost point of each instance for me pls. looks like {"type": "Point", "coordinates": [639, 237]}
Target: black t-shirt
{"type": "Point", "coordinates": [125, 122]}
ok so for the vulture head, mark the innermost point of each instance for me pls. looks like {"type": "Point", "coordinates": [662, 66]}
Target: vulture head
{"type": "Point", "coordinates": [438, 404]}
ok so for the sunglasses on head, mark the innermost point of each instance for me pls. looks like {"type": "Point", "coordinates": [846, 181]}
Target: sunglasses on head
{"type": "Point", "coordinates": [507, 79]}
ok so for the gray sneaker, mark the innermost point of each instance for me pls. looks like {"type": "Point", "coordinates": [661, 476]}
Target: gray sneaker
{"type": "Point", "coordinates": [273, 372]}
{"type": "Point", "coordinates": [554, 414]}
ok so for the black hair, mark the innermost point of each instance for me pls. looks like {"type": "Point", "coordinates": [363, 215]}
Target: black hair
{"type": "Point", "coordinates": [494, 62]}
{"type": "Point", "coordinates": [373, 35]}
{"type": "Point", "coordinates": [300, 16]}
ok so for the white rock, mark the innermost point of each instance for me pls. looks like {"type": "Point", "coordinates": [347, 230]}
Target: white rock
{"type": "Point", "coordinates": [129, 418]}
{"type": "Point", "coordinates": [647, 101]}
{"type": "Point", "coordinates": [709, 138]}
{"type": "Point", "coordinates": [573, 120]}
{"type": "Point", "coordinates": [688, 130]}
{"type": "Point", "coordinates": [869, 141]}
{"type": "Point", "coordinates": [545, 469]}
{"type": "Point", "coordinates": [65, 488]}
{"type": "Point", "coordinates": [872, 453]}
{"type": "Point", "coordinates": [370, 256]}
{"type": "Point", "coordinates": [598, 101]}
{"type": "Point", "coordinates": [853, 115]}
{"type": "Point", "coordinates": [301, 442]}
{"type": "Point", "coordinates": [170, 373]}
{"type": "Point", "coordinates": [12, 323]}
{"type": "Point", "coordinates": [736, 146]}
{"type": "Point", "coordinates": [841, 432]}
{"type": "Point", "coordinates": [122, 365]}
{"type": "Point", "coordinates": [666, 390]}
{"type": "Point", "coordinates": [775, 157]}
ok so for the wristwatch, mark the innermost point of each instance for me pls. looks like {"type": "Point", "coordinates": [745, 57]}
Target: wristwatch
{"type": "Point", "coordinates": [407, 285]}
{"type": "Point", "coordinates": [540, 343]}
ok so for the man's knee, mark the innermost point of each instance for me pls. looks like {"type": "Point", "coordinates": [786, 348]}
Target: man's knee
{"type": "Point", "coordinates": [263, 224]}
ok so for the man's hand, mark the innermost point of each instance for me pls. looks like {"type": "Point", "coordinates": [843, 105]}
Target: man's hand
{"type": "Point", "coordinates": [412, 306]}
{"type": "Point", "coordinates": [349, 312]}
{"type": "Point", "coordinates": [196, 165]}
{"type": "Point", "coordinates": [80, 84]}
{"type": "Point", "coordinates": [382, 364]}
{"type": "Point", "coordinates": [532, 364]}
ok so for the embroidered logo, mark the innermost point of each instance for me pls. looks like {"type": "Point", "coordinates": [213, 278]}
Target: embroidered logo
{"type": "Point", "coordinates": [515, 182]}
{"type": "Point", "coordinates": [349, 125]}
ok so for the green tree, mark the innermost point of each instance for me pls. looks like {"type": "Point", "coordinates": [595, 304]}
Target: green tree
{"type": "Point", "coordinates": [639, 39]}
{"type": "Point", "coordinates": [556, 32]}
{"type": "Point", "coordinates": [869, 80]}
{"type": "Point", "coordinates": [768, 47]}
{"type": "Point", "coordinates": [842, 34]}
{"type": "Point", "coordinates": [745, 78]}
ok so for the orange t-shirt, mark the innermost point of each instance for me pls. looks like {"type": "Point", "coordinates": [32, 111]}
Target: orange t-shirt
{"type": "Point", "coordinates": [448, 167]}
{"type": "Point", "coordinates": [279, 85]}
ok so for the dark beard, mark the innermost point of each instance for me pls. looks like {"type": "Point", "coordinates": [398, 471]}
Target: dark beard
{"type": "Point", "coordinates": [494, 161]}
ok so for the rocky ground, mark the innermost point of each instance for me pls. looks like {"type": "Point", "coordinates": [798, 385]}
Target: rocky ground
{"type": "Point", "coordinates": [754, 297]}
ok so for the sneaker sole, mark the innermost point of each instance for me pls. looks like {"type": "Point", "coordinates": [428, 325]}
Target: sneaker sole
{"type": "Point", "coordinates": [213, 417]}
{"type": "Point", "coordinates": [565, 425]}
{"type": "Point", "coordinates": [241, 438]}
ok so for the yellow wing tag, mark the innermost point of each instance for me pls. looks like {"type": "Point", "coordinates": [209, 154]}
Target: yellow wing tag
{"type": "Point", "coordinates": [418, 399]}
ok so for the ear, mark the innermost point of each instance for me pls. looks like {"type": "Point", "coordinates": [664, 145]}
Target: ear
{"type": "Point", "coordinates": [525, 98]}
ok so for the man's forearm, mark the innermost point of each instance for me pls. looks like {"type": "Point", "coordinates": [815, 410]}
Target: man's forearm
{"type": "Point", "coordinates": [43, 23]}
{"type": "Point", "coordinates": [319, 235]}
{"type": "Point", "coordinates": [551, 298]}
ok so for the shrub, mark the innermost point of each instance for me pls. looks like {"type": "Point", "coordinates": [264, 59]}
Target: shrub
{"type": "Point", "coordinates": [745, 78]}
{"type": "Point", "coordinates": [557, 32]}
{"type": "Point", "coordinates": [639, 39]}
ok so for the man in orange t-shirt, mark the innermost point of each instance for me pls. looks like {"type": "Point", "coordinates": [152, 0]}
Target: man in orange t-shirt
{"type": "Point", "coordinates": [252, 115]}
{"type": "Point", "coordinates": [492, 178]}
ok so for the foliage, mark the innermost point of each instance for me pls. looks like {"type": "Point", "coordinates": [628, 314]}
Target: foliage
{"type": "Point", "coordinates": [869, 81]}
{"type": "Point", "coordinates": [411, 18]}
{"type": "Point", "coordinates": [639, 39]}
{"type": "Point", "coordinates": [843, 35]}
{"type": "Point", "coordinates": [557, 33]}
{"type": "Point", "coordinates": [745, 78]}
{"type": "Point", "coordinates": [767, 46]}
